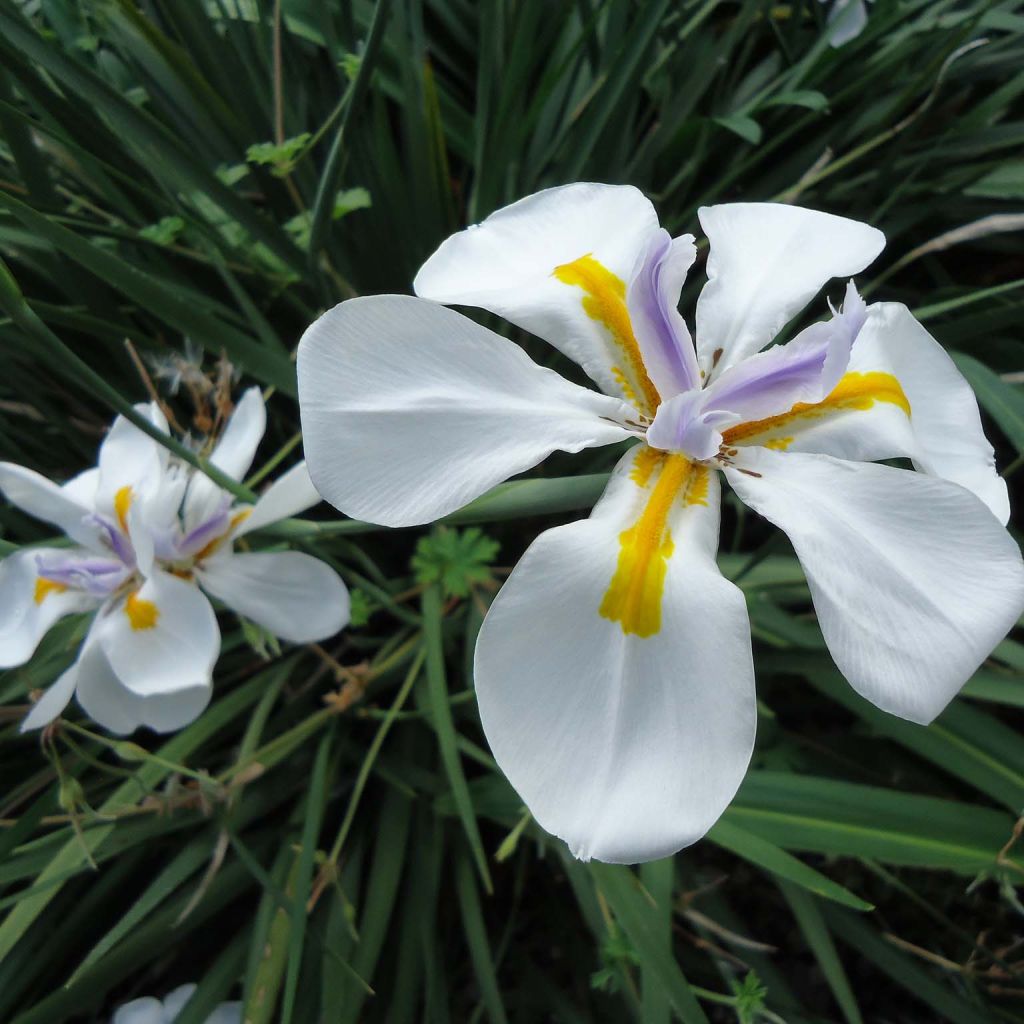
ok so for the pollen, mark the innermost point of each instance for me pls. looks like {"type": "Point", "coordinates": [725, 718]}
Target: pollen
{"type": "Point", "coordinates": [122, 502]}
{"type": "Point", "coordinates": [44, 588]}
{"type": "Point", "coordinates": [634, 596]}
{"type": "Point", "coordinates": [141, 614]}
{"type": "Point", "coordinates": [604, 300]}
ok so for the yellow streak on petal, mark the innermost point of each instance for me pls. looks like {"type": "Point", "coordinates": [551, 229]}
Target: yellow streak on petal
{"type": "Point", "coordinates": [854, 391]}
{"type": "Point", "coordinates": [605, 301]}
{"type": "Point", "coordinates": [633, 598]}
{"type": "Point", "coordinates": [237, 519]}
{"type": "Point", "coordinates": [123, 502]}
{"type": "Point", "coordinates": [46, 587]}
{"type": "Point", "coordinates": [142, 614]}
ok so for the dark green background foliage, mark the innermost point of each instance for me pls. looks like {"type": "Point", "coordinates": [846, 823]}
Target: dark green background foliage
{"type": "Point", "coordinates": [217, 172]}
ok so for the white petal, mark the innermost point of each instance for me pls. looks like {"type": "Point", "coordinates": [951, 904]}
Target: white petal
{"type": "Point", "coordinates": [410, 410]}
{"type": "Point", "coordinates": [948, 440]}
{"type": "Point", "coordinates": [130, 458]}
{"type": "Point", "coordinates": [846, 21]}
{"type": "Point", "coordinates": [161, 639]}
{"type": "Point", "coordinates": [140, 1011]}
{"type": "Point", "coordinates": [287, 496]}
{"type": "Point", "coordinates": [295, 596]}
{"type": "Point", "coordinates": [107, 701]}
{"type": "Point", "coordinates": [43, 499]}
{"type": "Point", "coordinates": [226, 1013]}
{"type": "Point", "coordinates": [905, 399]}
{"type": "Point", "coordinates": [767, 261]}
{"type": "Point", "coordinates": [913, 581]}
{"type": "Point", "coordinates": [29, 606]}
{"type": "Point", "coordinates": [52, 702]}
{"type": "Point", "coordinates": [237, 447]}
{"type": "Point", "coordinates": [233, 454]}
{"type": "Point", "coordinates": [507, 265]}
{"type": "Point", "coordinates": [174, 1002]}
{"type": "Point", "coordinates": [627, 746]}
{"type": "Point", "coordinates": [82, 488]}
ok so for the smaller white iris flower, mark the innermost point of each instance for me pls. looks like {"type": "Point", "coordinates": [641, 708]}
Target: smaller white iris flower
{"type": "Point", "coordinates": [149, 531]}
{"type": "Point", "coordinates": [613, 671]}
{"type": "Point", "coordinates": [149, 1010]}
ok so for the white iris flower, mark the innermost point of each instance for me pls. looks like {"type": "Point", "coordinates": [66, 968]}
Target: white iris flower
{"type": "Point", "coordinates": [147, 528]}
{"type": "Point", "coordinates": [613, 671]}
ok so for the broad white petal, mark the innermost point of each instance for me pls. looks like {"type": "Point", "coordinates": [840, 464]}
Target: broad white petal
{"type": "Point", "coordinates": [913, 581]}
{"type": "Point", "coordinates": [295, 596]}
{"type": "Point", "coordinates": [767, 261]}
{"type": "Point", "coordinates": [107, 701]}
{"type": "Point", "coordinates": [29, 605]}
{"type": "Point", "coordinates": [52, 702]}
{"type": "Point", "coordinates": [140, 1011]}
{"type": "Point", "coordinates": [410, 410]}
{"type": "Point", "coordinates": [162, 638]}
{"type": "Point", "coordinates": [287, 496]}
{"type": "Point", "coordinates": [627, 746]}
{"type": "Point", "coordinates": [557, 264]}
{"type": "Point", "coordinates": [43, 499]}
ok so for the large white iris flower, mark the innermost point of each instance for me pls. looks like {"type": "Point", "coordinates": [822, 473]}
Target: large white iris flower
{"type": "Point", "coordinates": [614, 671]}
{"type": "Point", "coordinates": [147, 529]}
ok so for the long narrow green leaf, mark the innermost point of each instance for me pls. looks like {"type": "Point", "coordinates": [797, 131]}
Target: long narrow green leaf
{"type": "Point", "coordinates": [639, 921]}
{"type": "Point", "coordinates": [445, 727]}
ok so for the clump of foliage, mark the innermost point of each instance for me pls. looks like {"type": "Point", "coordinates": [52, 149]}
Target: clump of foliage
{"type": "Point", "coordinates": [331, 839]}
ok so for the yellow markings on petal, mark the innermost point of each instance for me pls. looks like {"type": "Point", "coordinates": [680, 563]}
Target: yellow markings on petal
{"type": "Point", "coordinates": [142, 614]}
{"type": "Point", "coordinates": [604, 300]}
{"type": "Point", "coordinates": [236, 520]}
{"type": "Point", "coordinates": [123, 502]}
{"type": "Point", "coordinates": [647, 460]}
{"type": "Point", "coordinates": [44, 588]}
{"type": "Point", "coordinates": [855, 391]}
{"type": "Point", "coordinates": [634, 597]}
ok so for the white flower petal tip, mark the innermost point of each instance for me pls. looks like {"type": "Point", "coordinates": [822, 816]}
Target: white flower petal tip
{"type": "Point", "coordinates": [519, 245]}
{"type": "Point", "coordinates": [624, 716]}
{"type": "Point", "coordinates": [410, 410]}
{"type": "Point", "coordinates": [154, 1011]}
{"type": "Point", "coordinates": [944, 435]}
{"type": "Point", "coordinates": [913, 581]}
{"type": "Point", "coordinates": [767, 260]}
{"type": "Point", "coordinates": [559, 264]}
{"type": "Point", "coordinates": [52, 703]}
{"type": "Point", "coordinates": [289, 495]}
{"type": "Point", "coordinates": [291, 594]}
